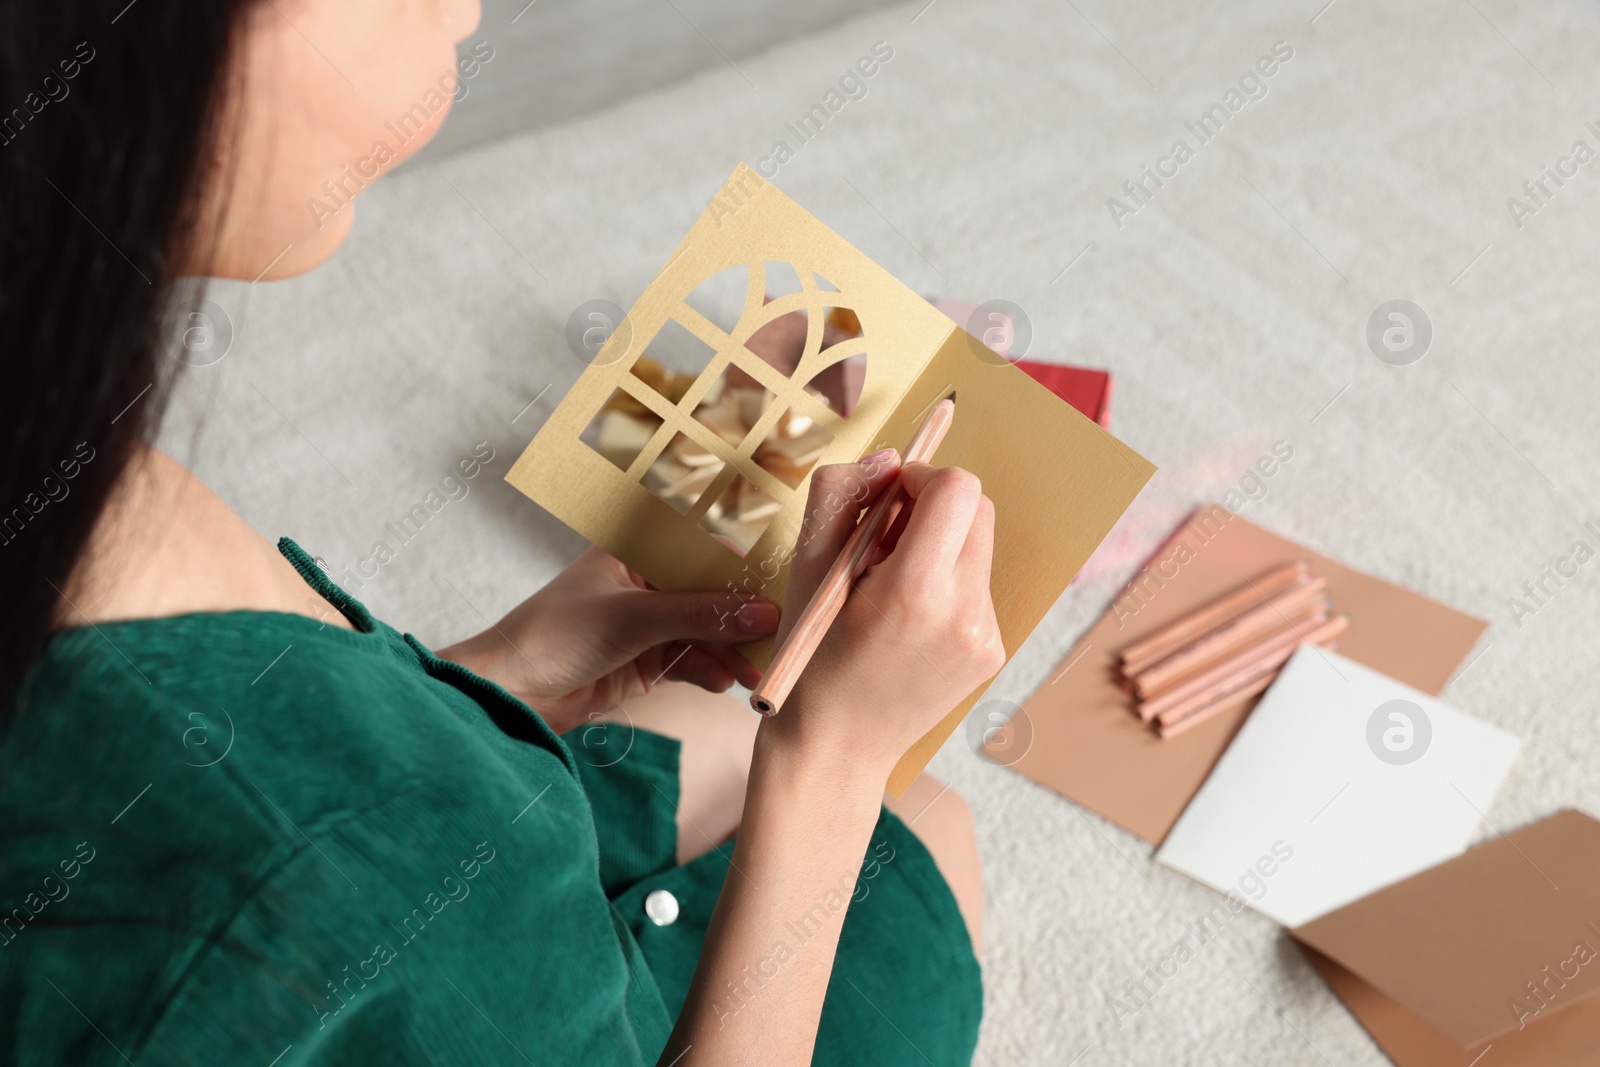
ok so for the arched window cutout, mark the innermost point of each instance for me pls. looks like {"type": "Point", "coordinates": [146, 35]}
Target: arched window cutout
{"type": "Point", "coordinates": [839, 324]}
{"type": "Point", "coordinates": [673, 351]}
{"type": "Point", "coordinates": [732, 406]}
{"type": "Point", "coordinates": [684, 470]}
{"type": "Point", "coordinates": [839, 384]}
{"type": "Point", "coordinates": [823, 283]}
{"type": "Point", "coordinates": [740, 515]}
{"type": "Point", "coordinates": [780, 343]}
{"type": "Point", "coordinates": [792, 447]}
{"type": "Point", "coordinates": [622, 429]}
{"type": "Point", "coordinates": [721, 297]}
{"type": "Point", "coordinates": [781, 279]}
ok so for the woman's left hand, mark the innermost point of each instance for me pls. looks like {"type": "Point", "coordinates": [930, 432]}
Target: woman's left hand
{"type": "Point", "coordinates": [598, 635]}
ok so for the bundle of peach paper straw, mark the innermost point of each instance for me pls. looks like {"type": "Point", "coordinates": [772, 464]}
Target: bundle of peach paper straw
{"type": "Point", "coordinates": [1230, 650]}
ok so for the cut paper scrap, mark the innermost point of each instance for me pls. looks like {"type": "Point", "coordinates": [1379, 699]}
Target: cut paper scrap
{"type": "Point", "coordinates": [1059, 482]}
{"type": "Point", "coordinates": [1491, 958]}
{"type": "Point", "coordinates": [1367, 779]}
{"type": "Point", "coordinates": [1077, 736]}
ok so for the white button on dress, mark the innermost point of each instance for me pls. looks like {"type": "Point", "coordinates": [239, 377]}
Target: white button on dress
{"type": "Point", "coordinates": [661, 907]}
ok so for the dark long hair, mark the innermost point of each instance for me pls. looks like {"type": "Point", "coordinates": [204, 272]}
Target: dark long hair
{"type": "Point", "coordinates": [108, 112]}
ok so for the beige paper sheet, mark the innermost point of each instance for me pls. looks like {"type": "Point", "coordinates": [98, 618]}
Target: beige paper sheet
{"type": "Point", "coordinates": [1059, 482]}
{"type": "Point", "coordinates": [1490, 958]}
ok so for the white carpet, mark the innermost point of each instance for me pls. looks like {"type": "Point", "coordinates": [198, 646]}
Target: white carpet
{"type": "Point", "coordinates": [1231, 310]}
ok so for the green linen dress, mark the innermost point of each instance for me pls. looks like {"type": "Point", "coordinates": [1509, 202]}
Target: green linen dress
{"type": "Point", "coordinates": [252, 838]}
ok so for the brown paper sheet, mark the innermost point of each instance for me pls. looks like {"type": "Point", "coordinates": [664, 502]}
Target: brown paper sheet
{"type": "Point", "coordinates": [1077, 735]}
{"type": "Point", "coordinates": [1497, 950]}
{"type": "Point", "coordinates": [1059, 482]}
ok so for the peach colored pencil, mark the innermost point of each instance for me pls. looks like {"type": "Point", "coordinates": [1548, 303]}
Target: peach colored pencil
{"type": "Point", "coordinates": [1232, 700]}
{"type": "Point", "coordinates": [1216, 707]}
{"type": "Point", "coordinates": [1245, 633]}
{"type": "Point", "coordinates": [1181, 631]}
{"type": "Point", "coordinates": [1253, 685]}
{"type": "Point", "coordinates": [1229, 637]}
{"type": "Point", "coordinates": [1270, 658]}
{"type": "Point", "coordinates": [825, 603]}
{"type": "Point", "coordinates": [1280, 643]}
{"type": "Point", "coordinates": [1255, 619]}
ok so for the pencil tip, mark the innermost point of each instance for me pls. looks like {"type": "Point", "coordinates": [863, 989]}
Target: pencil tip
{"type": "Point", "coordinates": [952, 396]}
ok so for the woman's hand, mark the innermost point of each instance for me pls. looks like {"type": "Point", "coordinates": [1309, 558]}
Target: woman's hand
{"type": "Point", "coordinates": [916, 635]}
{"type": "Point", "coordinates": [598, 635]}
{"type": "Point", "coordinates": [918, 632]}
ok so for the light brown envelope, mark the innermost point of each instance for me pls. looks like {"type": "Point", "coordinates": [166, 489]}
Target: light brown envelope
{"type": "Point", "coordinates": [1437, 967]}
{"type": "Point", "coordinates": [1058, 481]}
{"type": "Point", "coordinates": [1077, 734]}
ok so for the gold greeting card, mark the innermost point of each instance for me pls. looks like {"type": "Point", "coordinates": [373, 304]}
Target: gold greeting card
{"type": "Point", "coordinates": [687, 456]}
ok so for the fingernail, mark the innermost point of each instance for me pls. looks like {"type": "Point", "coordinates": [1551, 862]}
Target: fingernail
{"type": "Point", "coordinates": [757, 617]}
{"type": "Point", "coordinates": [881, 456]}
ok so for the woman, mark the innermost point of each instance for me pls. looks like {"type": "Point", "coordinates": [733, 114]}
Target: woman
{"type": "Point", "coordinates": [396, 858]}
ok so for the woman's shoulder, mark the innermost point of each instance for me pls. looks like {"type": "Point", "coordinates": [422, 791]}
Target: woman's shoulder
{"type": "Point", "coordinates": [167, 546]}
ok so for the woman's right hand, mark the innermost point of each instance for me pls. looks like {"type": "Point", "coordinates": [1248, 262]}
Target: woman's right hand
{"type": "Point", "coordinates": [915, 636]}
{"type": "Point", "coordinates": [918, 631]}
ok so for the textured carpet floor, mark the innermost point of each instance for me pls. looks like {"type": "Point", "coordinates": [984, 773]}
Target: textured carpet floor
{"type": "Point", "coordinates": [1231, 309]}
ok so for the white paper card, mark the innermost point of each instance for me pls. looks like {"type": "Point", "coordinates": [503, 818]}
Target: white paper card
{"type": "Point", "coordinates": [1360, 779]}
